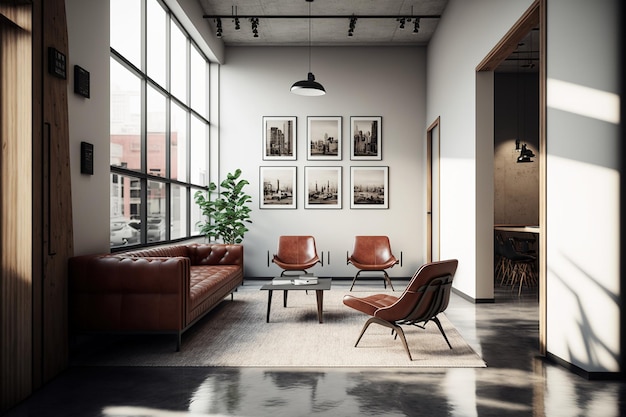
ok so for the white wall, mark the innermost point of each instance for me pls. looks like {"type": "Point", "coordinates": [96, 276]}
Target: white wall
{"type": "Point", "coordinates": [387, 82]}
{"type": "Point", "coordinates": [88, 32]}
{"type": "Point", "coordinates": [583, 184]}
{"type": "Point", "coordinates": [457, 47]}
{"type": "Point", "coordinates": [583, 307]}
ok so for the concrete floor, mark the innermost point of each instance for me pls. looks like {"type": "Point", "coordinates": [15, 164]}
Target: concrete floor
{"type": "Point", "coordinates": [516, 382]}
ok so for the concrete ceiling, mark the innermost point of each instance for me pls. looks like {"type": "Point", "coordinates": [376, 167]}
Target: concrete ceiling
{"type": "Point", "coordinates": [333, 31]}
{"type": "Point", "coordinates": [324, 31]}
{"type": "Point", "coordinates": [526, 57]}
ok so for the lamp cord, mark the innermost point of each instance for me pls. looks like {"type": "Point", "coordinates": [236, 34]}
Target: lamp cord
{"type": "Point", "coordinates": [309, 1]}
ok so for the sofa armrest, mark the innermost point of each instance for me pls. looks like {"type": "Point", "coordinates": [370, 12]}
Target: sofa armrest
{"type": "Point", "coordinates": [119, 294]}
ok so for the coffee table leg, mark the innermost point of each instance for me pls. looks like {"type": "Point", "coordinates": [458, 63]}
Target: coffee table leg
{"type": "Point", "coordinates": [269, 305]}
{"type": "Point", "coordinates": [285, 298]}
{"type": "Point", "coordinates": [320, 303]}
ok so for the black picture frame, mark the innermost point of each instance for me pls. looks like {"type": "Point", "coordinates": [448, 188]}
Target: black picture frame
{"type": "Point", "coordinates": [279, 138]}
{"type": "Point", "coordinates": [322, 187]}
{"type": "Point", "coordinates": [57, 63]}
{"type": "Point", "coordinates": [324, 138]}
{"type": "Point", "coordinates": [277, 187]}
{"type": "Point", "coordinates": [366, 138]}
{"type": "Point", "coordinates": [370, 187]}
{"type": "Point", "coordinates": [81, 81]}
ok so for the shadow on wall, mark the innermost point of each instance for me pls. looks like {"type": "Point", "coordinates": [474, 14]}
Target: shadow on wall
{"type": "Point", "coordinates": [595, 348]}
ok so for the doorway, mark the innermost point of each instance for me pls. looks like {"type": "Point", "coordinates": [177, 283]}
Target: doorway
{"type": "Point", "coordinates": [432, 191]}
{"type": "Point", "coordinates": [533, 18]}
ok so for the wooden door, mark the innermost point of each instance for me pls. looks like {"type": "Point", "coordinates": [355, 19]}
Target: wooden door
{"type": "Point", "coordinates": [54, 235]}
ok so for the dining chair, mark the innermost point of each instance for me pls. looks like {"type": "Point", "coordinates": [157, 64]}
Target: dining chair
{"type": "Point", "coordinates": [502, 264]}
{"type": "Point", "coordinates": [520, 267]}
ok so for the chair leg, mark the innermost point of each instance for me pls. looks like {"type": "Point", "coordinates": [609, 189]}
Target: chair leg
{"type": "Point", "coordinates": [388, 281]}
{"type": "Point", "coordinates": [365, 326]}
{"type": "Point", "coordinates": [438, 323]}
{"type": "Point", "coordinates": [394, 327]}
{"type": "Point", "coordinates": [354, 279]}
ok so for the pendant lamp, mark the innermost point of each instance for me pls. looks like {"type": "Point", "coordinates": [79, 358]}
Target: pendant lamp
{"type": "Point", "coordinates": [308, 87]}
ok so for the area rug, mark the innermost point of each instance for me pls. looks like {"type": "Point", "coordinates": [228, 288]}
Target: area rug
{"type": "Point", "coordinates": [236, 334]}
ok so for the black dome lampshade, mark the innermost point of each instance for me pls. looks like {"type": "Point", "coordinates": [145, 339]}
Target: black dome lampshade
{"type": "Point", "coordinates": [525, 155]}
{"type": "Point", "coordinates": [308, 87]}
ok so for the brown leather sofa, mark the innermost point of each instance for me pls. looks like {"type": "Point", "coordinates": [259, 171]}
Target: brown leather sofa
{"type": "Point", "coordinates": [159, 290]}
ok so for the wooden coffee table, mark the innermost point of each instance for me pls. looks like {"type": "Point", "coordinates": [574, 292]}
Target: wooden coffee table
{"type": "Point", "coordinates": [323, 284]}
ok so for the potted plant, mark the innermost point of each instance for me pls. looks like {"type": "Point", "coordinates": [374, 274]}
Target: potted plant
{"type": "Point", "coordinates": [227, 214]}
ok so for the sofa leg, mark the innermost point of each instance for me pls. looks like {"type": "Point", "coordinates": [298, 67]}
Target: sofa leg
{"type": "Point", "coordinates": [178, 340]}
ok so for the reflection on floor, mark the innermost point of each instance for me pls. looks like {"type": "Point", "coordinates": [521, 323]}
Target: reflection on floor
{"type": "Point", "coordinates": [516, 382]}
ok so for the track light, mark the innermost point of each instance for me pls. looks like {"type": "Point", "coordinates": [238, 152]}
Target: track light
{"type": "Point", "coordinates": [402, 21]}
{"type": "Point", "coordinates": [235, 17]}
{"type": "Point", "coordinates": [255, 24]}
{"type": "Point", "coordinates": [352, 26]}
{"type": "Point", "coordinates": [218, 22]}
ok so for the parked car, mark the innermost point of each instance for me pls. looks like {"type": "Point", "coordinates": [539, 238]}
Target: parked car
{"type": "Point", "coordinates": [124, 232]}
{"type": "Point", "coordinates": [156, 229]}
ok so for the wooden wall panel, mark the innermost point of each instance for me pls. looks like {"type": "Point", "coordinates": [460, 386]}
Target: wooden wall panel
{"type": "Point", "coordinates": [36, 216]}
{"type": "Point", "coordinates": [15, 212]}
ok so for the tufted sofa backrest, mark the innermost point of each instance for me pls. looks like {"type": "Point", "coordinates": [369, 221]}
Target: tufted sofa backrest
{"type": "Point", "coordinates": [198, 253]}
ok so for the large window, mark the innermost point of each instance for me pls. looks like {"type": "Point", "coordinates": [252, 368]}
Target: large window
{"type": "Point", "coordinates": [159, 125]}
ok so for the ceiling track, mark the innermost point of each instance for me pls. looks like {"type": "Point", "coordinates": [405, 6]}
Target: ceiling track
{"type": "Point", "coordinates": [350, 16]}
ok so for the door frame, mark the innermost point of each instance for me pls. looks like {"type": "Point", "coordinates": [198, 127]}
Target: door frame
{"type": "Point", "coordinates": [429, 187]}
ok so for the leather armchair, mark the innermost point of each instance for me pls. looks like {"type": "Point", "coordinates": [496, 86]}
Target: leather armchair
{"type": "Point", "coordinates": [426, 295]}
{"type": "Point", "coordinates": [372, 253]}
{"type": "Point", "coordinates": [296, 253]}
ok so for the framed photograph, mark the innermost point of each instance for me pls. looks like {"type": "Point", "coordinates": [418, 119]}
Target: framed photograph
{"type": "Point", "coordinates": [366, 138]}
{"type": "Point", "coordinates": [322, 187]}
{"type": "Point", "coordinates": [279, 138]}
{"type": "Point", "coordinates": [324, 138]}
{"type": "Point", "coordinates": [277, 187]}
{"type": "Point", "coordinates": [370, 187]}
